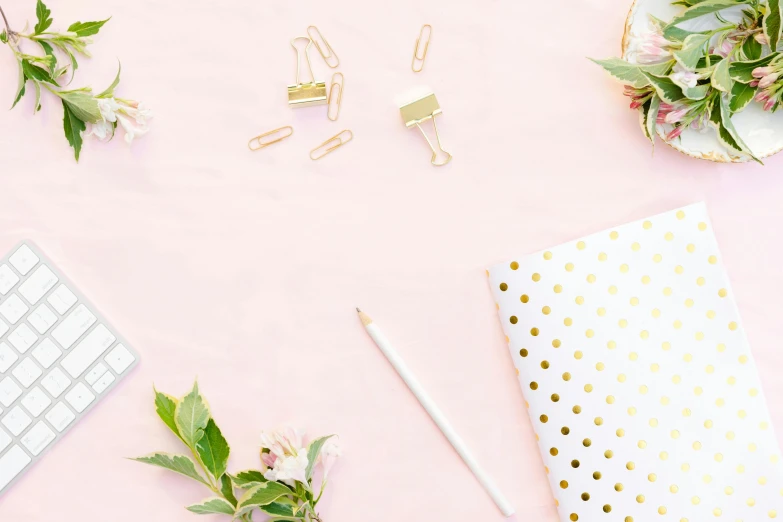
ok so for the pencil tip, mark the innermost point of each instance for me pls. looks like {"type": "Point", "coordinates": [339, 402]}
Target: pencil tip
{"type": "Point", "coordinates": [357, 309]}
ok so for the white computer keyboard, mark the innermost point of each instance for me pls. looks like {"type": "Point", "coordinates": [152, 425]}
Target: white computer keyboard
{"type": "Point", "coordinates": [58, 358]}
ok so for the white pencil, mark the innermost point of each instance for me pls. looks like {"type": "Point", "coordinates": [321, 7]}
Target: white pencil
{"type": "Point", "coordinates": [445, 426]}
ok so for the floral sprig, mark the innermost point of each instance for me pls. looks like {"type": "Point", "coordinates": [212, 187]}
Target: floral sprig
{"type": "Point", "coordinates": [283, 488]}
{"type": "Point", "coordinates": [699, 79]}
{"type": "Point", "coordinates": [102, 112]}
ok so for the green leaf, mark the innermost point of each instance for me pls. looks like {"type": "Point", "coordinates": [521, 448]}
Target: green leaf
{"type": "Point", "coordinates": [4, 37]}
{"type": "Point", "coordinates": [20, 88]}
{"type": "Point", "coordinates": [649, 115]}
{"type": "Point", "coordinates": [702, 8]}
{"type": "Point", "coordinates": [166, 406]}
{"type": "Point", "coordinates": [227, 489]}
{"type": "Point", "coordinates": [37, 106]}
{"type": "Point", "coordinates": [82, 104]}
{"type": "Point", "coordinates": [693, 48]}
{"type": "Point", "coordinates": [109, 92]}
{"type": "Point", "coordinates": [751, 49]}
{"type": "Point", "coordinates": [176, 463]}
{"type": "Point", "coordinates": [727, 133]}
{"type": "Point", "coordinates": [248, 479]}
{"type": "Point", "coordinates": [313, 450]}
{"type": "Point", "coordinates": [192, 416]}
{"type": "Point", "coordinates": [44, 20]}
{"type": "Point", "coordinates": [714, 60]}
{"type": "Point", "coordinates": [772, 23]}
{"type": "Point", "coordinates": [49, 51]}
{"type": "Point", "coordinates": [212, 506]}
{"type": "Point", "coordinates": [262, 495]}
{"type": "Point", "coordinates": [631, 73]}
{"type": "Point", "coordinates": [721, 79]}
{"type": "Point", "coordinates": [697, 93]}
{"type": "Point", "coordinates": [741, 95]}
{"type": "Point", "coordinates": [213, 450]}
{"type": "Point", "coordinates": [73, 127]}
{"type": "Point", "coordinates": [37, 73]}
{"type": "Point", "coordinates": [668, 91]}
{"type": "Point", "coordinates": [743, 71]}
{"type": "Point", "coordinates": [87, 28]}
{"type": "Point", "coordinates": [281, 511]}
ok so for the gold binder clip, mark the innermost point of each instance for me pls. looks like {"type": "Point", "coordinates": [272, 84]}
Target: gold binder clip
{"type": "Point", "coordinates": [327, 53]}
{"type": "Point", "coordinates": [305, 94]}
{"type": "Point", "coordinates": [331, 144]}
{"type": "Point", "coordinates": [417, 111]}
{"type": "Point", "coordinates": [257, 144]}
{"type": "Point", "coordinates": [416, 57]}
{"type": "Point", "coordinates": [339, 88]}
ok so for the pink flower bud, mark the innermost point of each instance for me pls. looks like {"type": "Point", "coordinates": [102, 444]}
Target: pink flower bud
{"type": "Point", "coordinates": [770, 103]}
{"type": "Point", "coordinates": [754, 83]}
{"type": "Point", "coordinates": [675, 133]}
{"type": "Point", "coordinates": [666, 107]}
{"type": "Point", "coordinates": [760, 72]}
{"type": "Point", "coordinates": [761, 38]}
{"type": "Point", "coordinates": [636, 104]}
{"type": "Point", "coordinates": [762, 96]}
{"type": "Point", "coordinates": [768, 80]}
{"type": "Point", "coordinates": [676, 116]}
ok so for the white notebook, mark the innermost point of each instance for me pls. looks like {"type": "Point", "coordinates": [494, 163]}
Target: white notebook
{"type": "Point", "coordinates": [638, 377]}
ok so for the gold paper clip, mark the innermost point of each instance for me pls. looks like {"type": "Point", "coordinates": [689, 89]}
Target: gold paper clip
{"type": "Point", "coordinates": [261, 144]}
{"type": "Point", "coordinates": [305, 94]}
{"type": "Point", "coordinates": [339, 88]}
{"type": "Point", "coordinates": [338, 142]}
{"type": "Point", "coordinates": [327, 52]}
{"type": "Point", "coordinates": [416, 56]}
{"type": "Point", "coordinates": [417, 111]}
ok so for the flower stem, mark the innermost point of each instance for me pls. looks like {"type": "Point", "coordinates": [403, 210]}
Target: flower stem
{"type": "Point", "coordinates": [12, 35]}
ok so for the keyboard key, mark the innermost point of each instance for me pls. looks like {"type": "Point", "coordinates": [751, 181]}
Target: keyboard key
{"type": "Point", "coordinates": [3, 328]}
{"type": "Point", "coordinates": [23, 259]}
{"type": "Point", "coordinates": [88, 350]}
{"type": "Point", "coordinates": [11, 464]}
{"type": "Point", "coordinates": [5, 440]}
{"type": "Point", "coordinates": [7, 357]}
{"type": "Point", "coordinates": [68, 332]}
{"type": "Point", "coordinates": [39, 282]}
{"type": "Point", "coordinates": [13, 309]}
{"type": "Point", "coordinates": [56, 382]}
{"type": "Point", "coordinates": [46, 353]}
{"type": "Point", "coordinates": [62, 299]}
{"type": "Point", "coordinates": [103, 383]}
{"type": "Point", "coordinates": [60, 416]}
{"type": "Point", "coordinates": [22, 338]}
{"type": "Point", "coordinates": [36, 401]}
{"type": "Point", "coordinates": [79, 397]}
{"type": "Point", "coordinates": [38, 438]}
{"type": "Point", "coordinates": [16, 421]}
{"type": "Point", "coordinates": [26, 372]}
{"type": "Point", "coordinates": [42, 318]}
{"type": "Point", "coordinates": [9, 391]}
{"type": "Point", "coordinates": [119, 359]}
{"type": "Point", "coordinates": [8, 279]}
{"type": "Point", "coordinates": [94, 374]}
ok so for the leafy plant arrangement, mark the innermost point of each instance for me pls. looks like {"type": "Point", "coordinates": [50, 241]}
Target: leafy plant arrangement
{"type": "Point", "coordinates": [282, 489]}
{"type": "Point", "coordinates": [679, 78]}
{"type": "Point", "coordinates": [81, 107]}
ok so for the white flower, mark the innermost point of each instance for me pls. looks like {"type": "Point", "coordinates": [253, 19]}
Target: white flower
{"type": "Point", "coordinates": [131, 128]}
{"type": "Point", "coordinates": [103, 130]}
{"type": "Point", "coordinates": [140, 113]}
{"type": "Point", "coordinates": [109, 108]}
{"type": "Point", "coordinates": [330, 451]}
{"type": "Point", "coordinates": [649, 46]}
{"type": "Point", "coordinates": [685, 77]}
{"type": "Point", "coordinates": [289, 469]}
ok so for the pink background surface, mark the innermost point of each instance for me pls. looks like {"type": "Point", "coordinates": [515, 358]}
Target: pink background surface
{"type": "Point", "coordinates": [244, 268]}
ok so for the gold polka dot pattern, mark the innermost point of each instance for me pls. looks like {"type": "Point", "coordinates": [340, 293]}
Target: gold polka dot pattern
{"type": "Point", "coordinates": [634, 364]}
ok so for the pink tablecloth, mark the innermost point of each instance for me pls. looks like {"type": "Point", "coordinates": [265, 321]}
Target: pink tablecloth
{"type": "Point", "coordinates": [244, 269]}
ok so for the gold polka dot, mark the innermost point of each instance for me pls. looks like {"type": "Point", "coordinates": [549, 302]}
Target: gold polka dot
{"type": "Point", "coordinates": [697, 445]}
{"type": "Point", "coordinates": [673, 488]}
{"type": "Point", "coordinates": [610, 399]}
{"type": "Point", "coordinates": [598, 422]}
{"type": "Point", "coordinates": [618, 487]}
{"type": "Point", "coordinates": [624, 268]}
{"type": "Point", "coordinates": [523, 352]}
{"type": "Point", "coordinates": [691, 248]}
{"type": "Point", "coordinates": [588, 388]}
{"type": "Point", "coordinates": [698, 390]}
{"type": "Point", "coordinates": [545, 365]}
{"type": "Point", "coordinates": [568, 321]}
{"type": "Point", "coordinates": [721, 347]}
{"type": "Point", "coordinates": [513, 319]}
{"type": "Point", "coordinates": [669, 236]}
{"type": "Point", "coordinates": [711, 314]}
{"type": "Point", "coordinates": [628, 519]}
{"type": "Point", "coordinates": [730, 435]}
{"type": "Point", "coordinates": [753, 392]}
{"type": "Point", "coordinates": [689, 302]}
{"type": "Point", "coordinates": [656, 313]}
{"type": "Point", "coordinates": [587, 443]}
{"type": "Point", "coordinates": [544, 419]}
{"type": "Point", "coordinates": [611, 345]}
{"type": "Point", "coordinates": [533, 385]}
{"type": "Point", "coordinates": [646, 280]}
{"type": "Point", "coordinates": [574, 517]}
{"type": "Point", "coordinates": [621, 377]}
{"type": "Point", "coordinates": [667, 291]}
{"type": "Point", "coordinates": [700, 281]}
{"type": "Point", "coordinates": [607, 508]}
{"type": "Point", "coordinates": [712, 260]}
{"type": "Point", "coordinates": [602, 256]}
{"type": "Point", "coordinates": [579, 300]}
{"type": "Point", "coordinates": [680, 215]}
{"type": "Point", "coordinates": [663, 455]}
{"type": "Point", "coordinates": [636, 247]}
{"type": "Point", "coordinates": [679, 269]}
{"type": "Point", "coordinates": [764, 426]}
{"type": "Point", "coordinates": [553, 452]}
{"type": "Point", "coordinates": [589, 333]}
{"type": "Point", "coordinates": [633, 356]}
{"type": "Point", "coordinates": [534, 332]}
{"type": "Point", "coordinates": [524, 298]}
{"type": "Point", "coordinates": [702, 226]}
{"type": "Point", "coordinates": [564, 484]}
{"type": "Point", "coordinates": [641, 444]}
{"type": "Point", "coordinates": [772, 513]}
{"type": "Point", "coordinates": [740, 469]}
{"type": "Point", "coordinates": [581, 245]}
{"type": "Point", "coordinates": [662, 510]}
{"type": "Point", "coordinates": [630, 466]}
{"type": "Point", "coordinates": [558, 288]}
{"type": "Point", "coordinates": [652, 477]}
{"type": "Point", "coordinates": [640, 499]}
{"type": "Point", "coordinates": [600, 366]}
{"type": "Point", "coordinates": [675, 434]}
{"type": "Point", "coordinates": [677, 324]}
{"type": "Point", "coordinates": [601, 312]}
{"type": "Point", "coordinates": [666, 346]}
{"type": "Point", "coordinates": [685, 467]}
{"type": "Point", "coordinates": [613, 290]}
{"type": "Point", "coordinates": [752, 447]}
{"type": "Point", "coordinates": [722, 292]}
{"type": "Point", "coordinates": [729, 490]}
{"type": "Point", "coordinates": [717, 512]}
{"type": "Point", "coordinates": [620, 432]}
{"type": "Point", "coordinates": [585, 496]}
{"type": "Point", "coordinates": [687, 357]}
{"type": "Point", "coordinates": [574, 464]}
{"type": "Point", "coordinates": [762, 481]}
{"type": "Point", "coordinates": [743, 359]}
{"type": "Point", "coordinates": [695, 501]}
{"type": "Point", "coordinates": [514, 265]}
{"type": "Point", "coordinates": [654, 367]}
{"type": "Point", "coordinates": [555, 397]}
{"type": "Point", "coordinates": [647, 225]}
{"type": "Point", "coordinates": [733, 326]}
{"type": "Point", "coordinates": [631, 411]}
{"type": "Point", "coordinates": [709, 368]}
{"type": "Point", "coordinates": [751, 502]}
{"type": "Point", "coordinates": [536, 277]}
{"type": "Point", "coordinates": [657, 258]}
{"type": "Point", "coordinates": [546, 310]}
{"type": "Point", "coordinates": [547, 255]}
{"type": "Point", "coordinates": [577, 409]}
{"type": "Point", "coordinates": [643, 389]}
{"type": "Point", "coordinates": [676, 379]}
{"type": "Point", "coordinates": [742, 414]}
{"type": "Point", "coordinates": [613, 235]}
{"type": "Point", "coordinates": [578, 354]}
{"type": "Point", "coordinates": [686, 412]}
{"type": "Point", "coordinates": [622, 323]}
